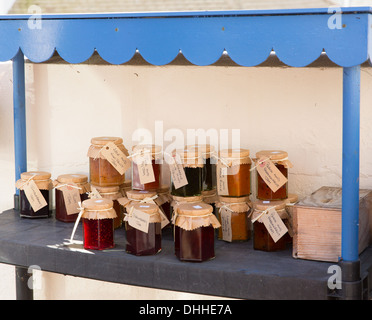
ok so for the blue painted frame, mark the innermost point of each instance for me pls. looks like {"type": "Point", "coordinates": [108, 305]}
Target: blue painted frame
{"type": "Point", "coordinates": [297, 36]}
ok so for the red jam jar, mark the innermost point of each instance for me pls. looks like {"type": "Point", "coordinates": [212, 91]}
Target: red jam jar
{"type": "Point", "coordinates": [101, 171]}
{"type": "Point", "coordinates": [44, 184]}
{"type": "Point", "coordinates": [66, 181]}
{"type": "Point", "coordinates": [234, 173]}
{"type": "Point", "coordinates": [262, 239]}
{"type": "Point", "coordinates": [233, 215]}
{"type": "Point", "coordinates": [155, 156]}
{"type": "Point", "coordinates": [281, 162]}
{"type": "Point", "coordinates": [176, 201]}
{"type": "Point", "coordinates": [194, 232]}
{"type": "Point", "coordinates": [139, 242]}
{"type": "Point", "coordinates": [98, 224]}
{"type": "Point", "coordinates": [113, 193]}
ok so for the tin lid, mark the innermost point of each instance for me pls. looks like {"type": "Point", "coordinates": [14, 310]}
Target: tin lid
{"type": "Point", "coordinates": [140, 194]}
{"type": "Point", "coordinates": [36, 175]}
{"type": "Point", "coordinates": [194, 209]}
{"type": "Point", "coordinates": [72, 178]}
{"type": "Point", "coordinates": [101, 141]}
{"type": "Point", "coordinates": [272, 154]}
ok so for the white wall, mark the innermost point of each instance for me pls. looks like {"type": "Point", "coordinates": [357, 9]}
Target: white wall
{"type": "Point", "coordinates": [297, 110]}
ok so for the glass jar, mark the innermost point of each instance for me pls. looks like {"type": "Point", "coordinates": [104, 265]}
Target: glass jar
{"type": "Point", "coordinates": [101, 172]}
{"type": "Point", "coordinates": [176, 201]}
{"type": "Point", "coordinates": [164, 201]}
{"type": "Point", "coordinates": [98, 224]}
{"type": "Point", "coordinates": [127, 185]}
{"type": "Point", "coordinates": [156, 156]}
{"type": "Point", "coordinates": [235, 165]}
{"type": "Point", "coordinates": [262, 239]}
{"type": "Point", "coordinates": [209, 168]}
{"type": "Point", "coordinates": [113, 194]}
{"type": "Point", "coordinates": [142, 243]}
{"type": "Point", "coordinates": [210, 197]}
{"type": "Point", "coordinates": [280, 160]}
{"type": "Point", "coordinates": [194, 232]}
{"type": "Point", "coordinates": [193, 165]}
{"type": "Point", "coordinates": [44, 184]}
{"type": "Point", "coordinates": [233, 215]}
{"type": "Point", "coordinates": [79, 181]}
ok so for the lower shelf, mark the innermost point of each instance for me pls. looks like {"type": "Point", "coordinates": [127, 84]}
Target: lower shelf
{"type": "Point", "coordinates": [238, 271]}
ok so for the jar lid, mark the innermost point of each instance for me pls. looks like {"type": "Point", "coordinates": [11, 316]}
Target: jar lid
{"type": "Point", "coordinates": [263, 204]}
{"type": "Point", "coordinates": [188, 199]}
{"type": "Point", "coordinates": [37, 175]}
{"type": "Point", "coordinates": [97, 204]}
{"type": "Point", "coordinates": [234, 153]}
{"type": "Point", "coordinates": [72, 178]}
{"type": "Point", "coordinates": [140, 194]}
{"type": "Point", "coordinates": [149, 208]}
{"type": "Point", "coordinates": [272, 154]}
{"type": "Point", "coordinates": [106, 189]}
{"type": "Point", "coordinates": [152, 147]}
{"type": "Point", "coordinates": [101, 141]}
{"type": "Point", "coordinates": [194, 209]}
{"type": "Point", "coordinates": [188, 153]}
{"type": "Point", "coordinates": [234, 199]}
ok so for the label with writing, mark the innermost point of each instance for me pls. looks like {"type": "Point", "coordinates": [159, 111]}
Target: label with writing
{"type": "Point", "coordinates": [145, 169]}
{"type": "Point", "coordinates": [225, 215]}
{"type": "Point", "coordinates": [274, 224]}
{"type": "Point", "coordinates": [139, 220]}
{"type": "Point", "coordinates": [71, 196]}
{"type": "Point", "coordinates": [116, 157]}
{"type": "Point", "coordinates": [94, 194]}
{"type": "Point", "coordinates": [270, 174]}
{"type": "Point", "coordinates": [177, 173]}
{"type": "Point", "coordinates": [164, 219]}
{"type": "Point", "coordinates": [222, 186]}
{"type": "Point", "coordinates": [34, 196]}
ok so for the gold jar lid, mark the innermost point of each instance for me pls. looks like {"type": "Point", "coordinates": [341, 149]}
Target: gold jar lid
{"type": "Point", "coordinates": [35, 175]}
{"type": "Point", "coordinates": [272, 154]}
{"type": "Point", "coordinates": [101, 141]}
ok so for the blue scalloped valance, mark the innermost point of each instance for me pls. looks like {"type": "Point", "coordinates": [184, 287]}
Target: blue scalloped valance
{"type": "Point", "coordinates": [298, 37]}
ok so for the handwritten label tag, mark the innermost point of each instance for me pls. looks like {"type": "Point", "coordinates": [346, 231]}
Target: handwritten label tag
{"type": "Point", "coordinates": [34, 196]}
{"type": "Point", "coordinates": [222, 186]}
{"type": "Point", "coordinates": [71, 196]}
{"type": "Point", "coordinates": [94, 194]}
{"type": "Point", "coordinates": [139, 220]}
{"type": "Point", "coordinates": [177, 172]}
{"type": "Point", "coordinates": [226, 224]}
{"type": "Point", "coordinates": [164, 219]}
{"type": "Point", "coordinates": [274, 224]}
{"type": "Point", "coordinates": [270, 174]}
{"type": "Point", "coordinates": [145, 169]}
{"type": "Point", "coordinates": [116, 157]}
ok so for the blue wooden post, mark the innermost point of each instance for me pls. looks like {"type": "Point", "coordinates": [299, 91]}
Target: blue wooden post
{"type": "Point", "coordinates": [350, 163]}
{"type": "Point", "coordinates": [19, 110]}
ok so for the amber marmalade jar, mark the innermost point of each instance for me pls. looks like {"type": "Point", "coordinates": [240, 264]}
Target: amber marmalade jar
{"type": "Point", "coordinates": [209, 168]}
{"type": "Point", "coordinates": [102, 173]}
{"type": "Point", "coordinates": [98, 224]}
{"type": "Point", "coordinates": [240, 228]}
{"type": "Point", "coordinates": [69, 180]}
{"type": "Point", "coordinates": [193, 165]}
{"type": "Point", "coordinates": [237, 165]}
{"type": "Point", "coordinates": [194, 232]}
{"type": "Point", "coordinates": [142, 243]}
{"type": "Point", "coordinates": [280, 160]}
{"type": "Point", "coordinates": [45, 184]}
{"type": "Point", "coordinates": [261, 237]}
{"type": "Point", "coordinates": [156, 155]}
{"type": "Point", "coordinates": [113, 193]}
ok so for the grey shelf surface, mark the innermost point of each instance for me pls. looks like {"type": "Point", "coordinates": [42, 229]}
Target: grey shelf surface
{"type": "Point", "coordinates": [238, 271]}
